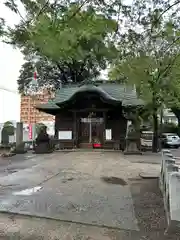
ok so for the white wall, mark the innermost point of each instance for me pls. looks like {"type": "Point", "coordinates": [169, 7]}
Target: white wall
{"type": "Point", "coordinates": [9, 106]}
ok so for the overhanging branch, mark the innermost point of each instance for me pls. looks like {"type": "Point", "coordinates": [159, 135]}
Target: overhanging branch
{"type": "Point", "coordinates": [62, 71]}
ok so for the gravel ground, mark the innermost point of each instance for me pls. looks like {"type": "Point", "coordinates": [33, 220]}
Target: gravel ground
{"type": "Point", "coordinates": [149, 210]}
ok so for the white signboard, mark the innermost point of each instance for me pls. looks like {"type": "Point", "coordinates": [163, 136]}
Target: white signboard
{"type": "Point", "coordinates": [108, 134]}
{"type": "Point", "coordinates": [65, 135]}
{"type": "Point", "coordinates": [12, 139]}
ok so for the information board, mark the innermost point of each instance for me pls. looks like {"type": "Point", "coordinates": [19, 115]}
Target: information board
{"type": "Point", "coordinates": [65, 135]}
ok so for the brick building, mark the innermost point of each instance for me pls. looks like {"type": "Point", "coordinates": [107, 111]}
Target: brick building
{"type": "Point", "coordinates": [29, 114]}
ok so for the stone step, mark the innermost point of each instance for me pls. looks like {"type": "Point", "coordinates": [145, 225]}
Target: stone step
{"type": "Point", "coordinates": [85, 145]}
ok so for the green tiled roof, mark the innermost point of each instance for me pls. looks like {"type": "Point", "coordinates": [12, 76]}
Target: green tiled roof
{"type": "Point", "coordinates": [117, 92]}
{"type": "Point", "coordinates": [111, 91]}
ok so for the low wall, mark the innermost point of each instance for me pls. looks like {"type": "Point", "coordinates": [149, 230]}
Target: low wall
{"type": "Point", "coordinates": [169, 183]}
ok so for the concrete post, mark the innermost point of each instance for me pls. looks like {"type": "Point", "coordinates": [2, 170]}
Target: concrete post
{"type": "Point", "coordinates": [19, 138]}
{"type": "Point", "coordinates": [19, 133]}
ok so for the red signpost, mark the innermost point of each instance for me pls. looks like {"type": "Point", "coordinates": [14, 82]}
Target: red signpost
{"type": "Point", "coordinates": [30, 131]}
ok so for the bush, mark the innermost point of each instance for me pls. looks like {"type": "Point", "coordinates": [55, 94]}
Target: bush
{"type": "Point", "coordinates": [170, 128]}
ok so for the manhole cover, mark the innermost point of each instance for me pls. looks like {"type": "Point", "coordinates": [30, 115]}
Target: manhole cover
{"type": "Point", "coordinates": [114, 180]}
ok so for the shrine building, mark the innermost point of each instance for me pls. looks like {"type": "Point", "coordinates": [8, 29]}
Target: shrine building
{"type": "Point", "coordinates": [92, 114]}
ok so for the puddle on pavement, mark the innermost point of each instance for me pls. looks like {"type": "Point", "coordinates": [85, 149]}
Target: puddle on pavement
{"type": "Point", "coordinates": [114, 180]}
{"type": "Point", "coordinates": [28, 191]}
{"type": "Point", "coordinates": [67, 180]}
{"type": "Point", "coordinates": [11, 171]}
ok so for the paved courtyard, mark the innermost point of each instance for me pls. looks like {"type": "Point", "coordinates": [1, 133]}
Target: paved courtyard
{"type": "Point", "coordinates": [99, 195]}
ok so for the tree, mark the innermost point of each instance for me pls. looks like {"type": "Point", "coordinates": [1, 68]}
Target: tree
{"type": "Point", "coordinates": [149, 57]}
{"type": "Point", "coordinates": [39, 126]}
{"type": "Point", "coordinates": [51, 75]}
{"type": "Point", "coordinates": [73, 41]}
{"type": "Point", "coordinates": [9, 127]}
{"type": "Point", "coordinates": [47, 74]}
{"type": "Point", "coordinates": [176, 111]}
{"type": "Point", "coordinates": [8, 130]}
{"type": "Point", "coordinates": [2, 22]}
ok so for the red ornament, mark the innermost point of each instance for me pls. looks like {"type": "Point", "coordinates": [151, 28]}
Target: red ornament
{"type": "Point", "coordinates": [35, 75]}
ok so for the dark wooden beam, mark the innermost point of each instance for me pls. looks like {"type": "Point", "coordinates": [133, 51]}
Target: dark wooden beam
{"type": "Point", "coordinates": [90, 110]}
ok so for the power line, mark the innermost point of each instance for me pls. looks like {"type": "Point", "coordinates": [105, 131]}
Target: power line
{"type": "Point", "coordinates": [8, 90]}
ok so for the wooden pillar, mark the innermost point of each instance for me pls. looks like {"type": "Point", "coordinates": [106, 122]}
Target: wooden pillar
{"type": "Point", "coordinates": [74, 129]}
{"type": "Point", "coordinates": [104, 127]}
{"type": "Point", "coordinates": [55, 129]}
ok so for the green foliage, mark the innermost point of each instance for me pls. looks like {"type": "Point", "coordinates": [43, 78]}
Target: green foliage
{"type": "Point", "coordinates": [149, 56]}
{"type": "Point", "coordinates": [39, 127]}
{"type": "Point", "coordinates": [2, 23]}
{"type": "Point", "coordinates": [4, 137]}
{"type": "Point", "coordinates": [71, 42]}
{"type": "Point", "coordinates": [51, 74]}
{"type": "Point", "coordinates": [170, 128]}
{"type": "Point", "coordinates": [9, 128]}
{"type": "Point", "coordinates": [82, 36]}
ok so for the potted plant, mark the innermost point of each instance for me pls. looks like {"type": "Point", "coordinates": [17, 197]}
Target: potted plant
{"type": "Point", "coordinates": [96, 143]}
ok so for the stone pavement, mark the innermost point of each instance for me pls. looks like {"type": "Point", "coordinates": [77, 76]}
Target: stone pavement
{"type": "Point", "coordinates": [148, 210]}
{"type": "Point", "coordinates": [75, 189]}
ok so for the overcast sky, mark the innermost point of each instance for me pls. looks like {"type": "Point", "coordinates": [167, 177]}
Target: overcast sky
{"type": "Point", "coordinates": [10, 63]}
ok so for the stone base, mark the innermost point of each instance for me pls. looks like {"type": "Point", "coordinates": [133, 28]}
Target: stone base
{"type": "Point", "coordinates": [5, 155]}
{"type": "Point", "coordinates": [132, 152]}
{"type": "Point", "coordinates": [43, 152]}
{"type": "Point", "coordinates": [20, 149]}
{"type": "Point", "coordinates": [43, 147]}
{"type": "Point", "coordinates": [132, 147]}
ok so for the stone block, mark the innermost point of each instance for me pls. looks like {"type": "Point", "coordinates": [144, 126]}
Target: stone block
{"type": "Point", "coordinates": [174, 203]}
{"type": "Point", "coordinates": [165, 151]}
{"type": "Point", "coordinates": [168, 155]}
{"type": "Point", "coordinates": [169, 168]}
{"type": "Point", "coordinates": [165, 160]}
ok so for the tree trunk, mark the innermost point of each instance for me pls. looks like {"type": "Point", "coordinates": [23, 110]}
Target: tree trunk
{"type": "Point", "coordinates": [155, 132]}
{"type": "Point", "coordinates": [155, 144]}
{"type": "Point", "coordinates": [161, 122]}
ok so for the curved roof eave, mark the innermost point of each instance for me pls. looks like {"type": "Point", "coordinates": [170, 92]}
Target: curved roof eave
{"type": "Point", "coordinates": [48, 108]}
{"type": "Point", "coordinates": [94, 89]}
{"type": "Point", "coordinates": [137, 103]}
